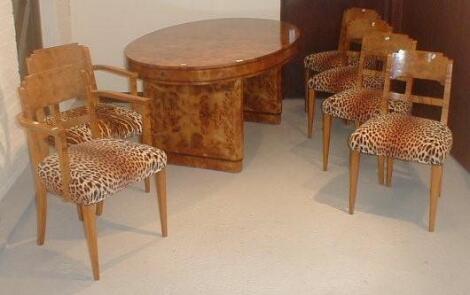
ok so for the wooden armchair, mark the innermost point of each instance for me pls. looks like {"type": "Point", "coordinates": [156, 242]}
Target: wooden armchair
{"type": "Point", "coordinates": [84, 173]}
{"type": "Point", "coordinates": [113, 121]}
{"type": "Point", "coordinates": [404, 137]}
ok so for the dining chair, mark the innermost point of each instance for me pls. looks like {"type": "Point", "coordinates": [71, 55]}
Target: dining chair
{"type": "Point", "coordinates": [120, 119]}
{"type": "Point", "coordinates": [360, 104]}
{"type": "Point", "coordinates": [404, 137]}
{"type": "Point", "coordinates": [344, 55]}
{"type": "Point", "coordinates": [342, 78]}
{"type": "Point", "coordinates": [85, 173]}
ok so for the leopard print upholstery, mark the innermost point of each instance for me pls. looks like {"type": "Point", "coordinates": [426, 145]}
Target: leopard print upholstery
{"type": "Point", "coordinates": [342, 78]}
{"type": "Point", "coordinates": [99, 168]}
{"type": "Point", "coordinates": [113, 121]}
{"type": "Point", "coordinates": [360, 104]}
{"type": "Point", "coordinates": [322, 61]}
{"type": "Point", "coordinates": [404, 137]}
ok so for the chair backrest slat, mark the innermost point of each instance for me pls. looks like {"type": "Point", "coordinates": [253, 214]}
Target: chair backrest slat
{"type": "Point", "coordinates": [422, 65]}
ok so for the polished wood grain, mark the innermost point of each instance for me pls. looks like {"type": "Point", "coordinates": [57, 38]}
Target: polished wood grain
{"type": "Point", "coordinates": [206, 78]}
{"type": "Point", "coordinates": [407, 66]}
{"type": "Point", "coordinates": [43, 92]}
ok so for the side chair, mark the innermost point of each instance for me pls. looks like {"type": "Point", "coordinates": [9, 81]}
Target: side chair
{"type": "Point", "coordinates": [404, 137]}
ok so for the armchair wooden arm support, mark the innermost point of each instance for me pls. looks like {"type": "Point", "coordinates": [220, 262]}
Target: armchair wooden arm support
{"type": "Point", "coordinates": [122, 96]}
{"type": "Point", "coordinates": [39, 127]}
{"type": "Point", "coordinates": [115, 70]}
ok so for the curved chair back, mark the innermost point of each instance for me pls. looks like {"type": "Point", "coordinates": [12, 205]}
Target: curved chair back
{"type": "Point", "coordinates": [358, 29]}
{"type": "Point", "coordinates": [69, 54]}
{"type": "Point", "coordinates": [376, 47]}
{"type": "Point", "coordinates": [423, 65]}
{"type": "Point", "coordinates": [353, 14]}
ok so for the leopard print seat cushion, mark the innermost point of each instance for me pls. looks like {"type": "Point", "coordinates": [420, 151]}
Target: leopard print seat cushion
{"type": "Point", "coordinates": [322, 61]}
{"type": "Point", "coordinates": [342, 78]}
{"type": "Point", "coordinates": [113, 121]}
{"type": "Point", "coordinates": [404, 137]}
{"type": "Point", "coordinates": [101, 167]}
{"type": "Point", "coordinates": [360, 104]}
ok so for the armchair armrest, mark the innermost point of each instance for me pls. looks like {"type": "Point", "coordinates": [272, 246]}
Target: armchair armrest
{"type": "Point", "coordinates": [115, 70]}
{"type": "Point", "coordinates": [122, 96]}
{"type": "Point", "coordinates": [39, 127]}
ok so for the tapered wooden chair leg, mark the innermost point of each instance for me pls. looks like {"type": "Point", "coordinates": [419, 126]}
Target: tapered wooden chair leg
{"type": "Point", "coordinates": [353, 178]}
{"type": "Point", "coordinates": [381, 169]}
{"type": "Point", "coordinates": [162, 204]}
{"type": "Point", "coordinates": [41, 207]}
{"type": "Point", "coordinates": [99, 208]}
{"type": "Point", "coordinates": [79, 213]}
{"type": "Point", "coordinates": [327, 119]}
{"type": "Point", "coordinates": [307, 77]}
{"type": "Point", "coordinates": [389, 171]}
{"type": "Point", "coordinates": [436, 177]}
{"type": "Point", "coordinates": [147, 184]}
{"type": "Point", "coordinates": [89, 220]}
{"type": "Point", "coordinates": [311, 111]}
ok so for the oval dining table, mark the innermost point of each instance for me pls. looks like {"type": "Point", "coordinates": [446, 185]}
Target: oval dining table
{"type": "Point", "coordinates": [206, 78]}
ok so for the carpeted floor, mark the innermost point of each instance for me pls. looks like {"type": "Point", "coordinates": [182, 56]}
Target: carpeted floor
{"type": "Point", "coordinates": [279, 227]}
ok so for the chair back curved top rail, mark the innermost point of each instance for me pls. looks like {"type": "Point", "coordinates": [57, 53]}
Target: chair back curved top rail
{"type": "Point", "coordinates": [376, 47]}
{"type": "Point", "coordinates": [350, 15]}
{"type": "Point", "coordinates": [358, 29]}
{"type": "Point", "coordinates": [423, 65]}
{"type": "Point", "coordinates": [69, 54]}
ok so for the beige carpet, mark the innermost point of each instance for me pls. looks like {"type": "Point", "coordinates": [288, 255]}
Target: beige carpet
{"type": "Point", "coordinates": [279, 227]}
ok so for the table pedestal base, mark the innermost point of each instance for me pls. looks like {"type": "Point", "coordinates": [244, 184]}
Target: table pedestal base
{"type": "Point", "coordinates": [202, 125]}
{"type": "Point", "coordinates": [263, 97]}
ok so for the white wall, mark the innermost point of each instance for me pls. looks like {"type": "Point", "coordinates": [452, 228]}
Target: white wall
{"type": "Point", "coordinates": [107, 26]}
{"type": "Point", "coordinates": [13, 155]}
{"type": "Point", "coordinates": [55, 22]}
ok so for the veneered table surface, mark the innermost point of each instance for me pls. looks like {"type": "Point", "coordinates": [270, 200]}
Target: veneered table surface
{"type": "Point", "coordinates": [212, 44]}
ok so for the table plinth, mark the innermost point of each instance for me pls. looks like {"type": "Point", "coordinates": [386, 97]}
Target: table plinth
{"type": "Point", "coordinates": [206, 78]}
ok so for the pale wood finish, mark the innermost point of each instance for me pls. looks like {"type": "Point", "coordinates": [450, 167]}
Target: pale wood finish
{"type": "Point", "coordinates": [206, 78]}
{"type": "Point", "coordinates": [377, 45]}
{"type": "Point", "coordinates": [311, 101]}
{"type": "Point", "coordinates": [79, 56]}
{"type": "Point", "coordinates": [432, 66]}
{"type": "Point", "coordinates": [436, 180]}
{"type": "Point", "coordinates": [389, 171]}
{"type": "Point", "coordinates": [353, 179]}
{"type": "Point", "coordinates": [44, 91]}
{"type": "Point", "coordinates": [99, 208]}
{"type": "Point", "coordinates": [89, 221]}
{"type": "Point", "coordinates": [381, 169]}
{"type": "Point", "coordinates": [355, 30]}
{"type": "Point", "coordinates": [349, 16]}
{"type": "Point", "coordinates": [327, 119]}
{"type": "Point", "coordinates": [407, 66]}
{"type": "Point", "coordinates": [161, 195]}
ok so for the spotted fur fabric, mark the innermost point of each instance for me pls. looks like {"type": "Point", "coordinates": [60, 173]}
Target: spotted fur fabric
{"type": "Point", "coordinates": [360, 104]}
{"type": "Point", "coordinates": [341, 79]}
{"type": "Point", "coordinates": [404, 137]}
{"type": "Point", "coordinates": [322, 61]}
{"type": "Point", "coordinates": [102, 167]}
{"type": "Point", "coordinates": [113, 121]}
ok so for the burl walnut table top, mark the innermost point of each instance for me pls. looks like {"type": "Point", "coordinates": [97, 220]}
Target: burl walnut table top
{"type": "Point", "coordinates": [212, 49]}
